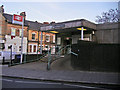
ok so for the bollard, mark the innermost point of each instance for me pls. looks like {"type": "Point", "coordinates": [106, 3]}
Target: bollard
{"type": "Point", "coordinates": [3, 61]}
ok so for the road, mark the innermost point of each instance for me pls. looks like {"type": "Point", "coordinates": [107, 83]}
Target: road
{"type": "Point", "coordinates": [25, 83]}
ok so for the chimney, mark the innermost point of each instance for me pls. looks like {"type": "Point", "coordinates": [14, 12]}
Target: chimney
{"type": "Point", "coordinates": [52, 22]}
{"type": "Point", "coordinates": [2, 9]}
{"type": "Point", "coordinates": [45, 22]}
{"type": "Point", "coordinates": [23, 14]}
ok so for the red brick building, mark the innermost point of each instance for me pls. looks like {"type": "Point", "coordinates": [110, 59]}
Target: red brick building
{"type": "Point", "coordinates": [31, 37]}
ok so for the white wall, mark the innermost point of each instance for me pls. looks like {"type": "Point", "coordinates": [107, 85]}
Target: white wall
{"type": "Point", "coordinates": [15, 42]}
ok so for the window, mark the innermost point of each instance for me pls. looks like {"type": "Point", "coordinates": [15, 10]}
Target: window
{"type": "Point", "coordinates": [47, 38]}
{"type": "Point", "coordinates": [19, 48]}
{"type": "Point", "coordinates": [20, 32]}
{"type": "Point", "coordinates": [34, 48]}
{"type": "Point", "coordinates": [58, 41]}
{"type": "Point", "coordinates": [46, 46]}
{"type": "Point", "coordinates": [13, 31]}
{"type": "Point", "coordinates": [40, 47]}
{"type": "Point", "coordinates": [30, 48]}
{"type": "Point", "coordinates": [53, 38]}
{"type": "Point", "coordinates": [33, 36]}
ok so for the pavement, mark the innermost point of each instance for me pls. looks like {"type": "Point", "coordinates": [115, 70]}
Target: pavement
{"type": "Point", "coordinates": [37, 71]}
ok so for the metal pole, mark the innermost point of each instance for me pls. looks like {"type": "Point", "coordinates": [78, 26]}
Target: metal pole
{"type": "Point", "coordinates": [56, 43]}
{"type": "Point", "coordinates": [11, 54]}
{"type": "Point", "coordinates": [22, 42]}
{"type": "Point", "coordinates": [41, 43]}
{"type": "Point", "coordinates": [3, 61]}
{"type": "Point", "coordinates": [82, 34]}
{"type": "Point", "coordinates": [119, 11]}
{"type": "Point", "coordinates": [90, 37]}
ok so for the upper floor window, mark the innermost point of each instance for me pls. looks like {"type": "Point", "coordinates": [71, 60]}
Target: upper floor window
{"type": "Point", "coordinates": [13, 31]}
{"type": "Point", "coordinates": [53, 38]}
{"type": "Point", "coordinates": [20, 32]}
{"type": "Point", "coordinates": [33, 36]}
{"type": "Point", "coordinates": [19, 48]}
{"type": "Point", "coordinates": [47, 38]}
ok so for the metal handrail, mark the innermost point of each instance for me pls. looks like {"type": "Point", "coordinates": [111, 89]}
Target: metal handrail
{"type": "Point", "coordinates": [74, 53]}
{"type": "Point", "coordinates": [63, 48]}
{"type": "Point", "coordinates": [58, 53]}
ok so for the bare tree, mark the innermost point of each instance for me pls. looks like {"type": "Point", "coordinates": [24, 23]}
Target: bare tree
{"type": "Point", "coordinates": [110, 16]}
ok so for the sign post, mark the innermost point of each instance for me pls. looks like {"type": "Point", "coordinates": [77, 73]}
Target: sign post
{"type": "Point", "coordinates": [22, 42]}
{"type": "Point", "coordinates": [17, 19]}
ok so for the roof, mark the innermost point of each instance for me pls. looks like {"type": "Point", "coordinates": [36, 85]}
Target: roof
{"type": "Point", "coordinates": [32, 25]}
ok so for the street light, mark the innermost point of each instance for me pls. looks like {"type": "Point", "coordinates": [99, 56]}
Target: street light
{"type": "Point", "coordinates": [54, 32]}
{"type": "Point", "coordinates": [82, 29]}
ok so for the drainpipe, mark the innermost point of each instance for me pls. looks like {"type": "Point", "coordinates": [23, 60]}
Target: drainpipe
{"type": "Point", "coordinates": [56, 42]}
{"type": "Point", "coordinates": [27, 38]}
{"type": "Point", "coordinates": [41, 42]}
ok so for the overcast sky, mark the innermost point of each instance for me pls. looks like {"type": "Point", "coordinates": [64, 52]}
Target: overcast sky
{"type": "Point", "coordinates": [59, 11]}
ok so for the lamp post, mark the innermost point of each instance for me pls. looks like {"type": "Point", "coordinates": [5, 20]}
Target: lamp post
{"type": "Point", "coordinates": [82, 34]}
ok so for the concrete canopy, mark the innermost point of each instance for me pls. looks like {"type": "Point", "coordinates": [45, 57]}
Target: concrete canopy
{"type": "Point", "coordinates": [69, 27]}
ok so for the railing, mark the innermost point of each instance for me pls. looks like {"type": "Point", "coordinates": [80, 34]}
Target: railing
{"type": "Point", "coordinates": [12, 62]}
{"type": "Point", "coordinates": [74, 53]}
{"type": "Point", "coordinates": [58, 54]}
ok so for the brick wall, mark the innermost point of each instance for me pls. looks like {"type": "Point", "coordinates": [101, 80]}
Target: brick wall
{"type": "Point", "coordinates": [8, 32]}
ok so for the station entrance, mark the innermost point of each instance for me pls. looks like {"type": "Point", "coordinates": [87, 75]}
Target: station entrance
{"type": "Point", "coordinates": [69, 32]}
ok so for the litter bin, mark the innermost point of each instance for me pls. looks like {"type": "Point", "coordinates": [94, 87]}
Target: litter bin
{"type": "Point", "coordinates": [17, 58]}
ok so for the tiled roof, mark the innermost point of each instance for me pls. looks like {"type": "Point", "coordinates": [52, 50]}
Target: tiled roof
{"type": "Point", "coordinates": [32, 25]}
{"type": "Point", "coordinates": [8, 17]}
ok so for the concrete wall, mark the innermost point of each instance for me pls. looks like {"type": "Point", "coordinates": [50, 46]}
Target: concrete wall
{"type": "Point", "coordinates": [107, 33]}
{"type": "Point", "coordinates": [96, 57]}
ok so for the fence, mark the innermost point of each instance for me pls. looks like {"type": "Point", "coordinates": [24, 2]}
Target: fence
{"type": "Point", "coordinates": [96, 57]}
{"type": "Point", "coordinates": [26, 58]}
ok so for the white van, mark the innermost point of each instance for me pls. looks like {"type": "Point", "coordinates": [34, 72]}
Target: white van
{"type": "Point", "coordinates": [6, 54]}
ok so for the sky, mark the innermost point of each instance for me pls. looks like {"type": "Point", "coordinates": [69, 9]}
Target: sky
{"type": "Point", "coordinates": [59, 11]}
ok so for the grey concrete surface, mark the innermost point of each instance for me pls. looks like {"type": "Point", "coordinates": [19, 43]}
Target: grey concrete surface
{"type": "Point", "coordinates": [37, 70]}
